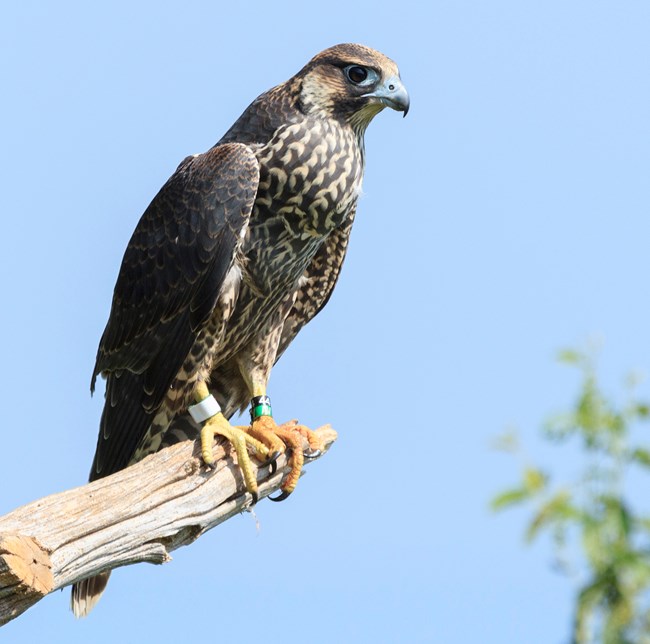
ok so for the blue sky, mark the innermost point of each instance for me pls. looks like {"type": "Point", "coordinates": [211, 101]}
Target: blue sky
{"type": "Point", "coordinates": [505, 218]}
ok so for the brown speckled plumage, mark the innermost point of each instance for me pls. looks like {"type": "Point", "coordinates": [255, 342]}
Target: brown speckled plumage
{"type": "Point", "coordinates": [236, 253]}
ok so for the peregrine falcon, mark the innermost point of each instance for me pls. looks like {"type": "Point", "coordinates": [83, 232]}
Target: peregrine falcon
{"type": "Point", "coordinates": [237, 252]}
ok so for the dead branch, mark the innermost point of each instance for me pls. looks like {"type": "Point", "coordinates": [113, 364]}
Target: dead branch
{"type": "Point", "coordinates": [139, 514]}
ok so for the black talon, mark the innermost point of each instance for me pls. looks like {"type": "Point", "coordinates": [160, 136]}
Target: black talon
{"type": "Point", "coordinates": [271, 459]}
{"type": "Point", "coordinates": [280, 497]}
{"type": "Point", "coordinates": [312, 453]}
{"type": "Point", "coordinates": [256, 498]}
{"type": "Point", "coordinates": [271, 462]}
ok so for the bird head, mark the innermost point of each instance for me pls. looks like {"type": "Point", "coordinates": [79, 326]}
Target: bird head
{"type": "Point", "coordinates": [352, 83]}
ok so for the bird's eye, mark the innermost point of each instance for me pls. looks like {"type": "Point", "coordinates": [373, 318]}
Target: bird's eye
{"type": "Point", "coordinates": [356, 74]}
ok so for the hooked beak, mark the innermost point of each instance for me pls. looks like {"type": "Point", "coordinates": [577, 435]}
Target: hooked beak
{"type": "Point", "coordinates": [392, 94]}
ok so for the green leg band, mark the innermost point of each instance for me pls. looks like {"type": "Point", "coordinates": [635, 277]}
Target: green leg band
{"type": "Point", "coordinates": [260, 406]}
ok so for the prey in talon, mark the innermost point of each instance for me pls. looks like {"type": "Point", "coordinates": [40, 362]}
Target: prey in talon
{"type": "Point", "coordinates": [239, 249]}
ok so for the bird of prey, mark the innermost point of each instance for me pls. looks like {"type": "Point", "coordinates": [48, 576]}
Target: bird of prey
{"type": "Point", "coordinates": [235, 254]}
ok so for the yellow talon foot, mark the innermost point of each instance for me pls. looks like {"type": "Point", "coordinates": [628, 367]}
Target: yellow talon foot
{"type": "Point", "coordinates": [219, 426]}
{"type": "Point", "coordinates": [287, 436]}
{"type": "Point", "coordinates": [263, 429]}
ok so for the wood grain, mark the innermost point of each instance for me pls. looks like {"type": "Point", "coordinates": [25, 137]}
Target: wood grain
{"type": "Point", "coordinates": [139, 514]}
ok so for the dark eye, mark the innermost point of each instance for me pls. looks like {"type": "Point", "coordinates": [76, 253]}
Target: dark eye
{"type": "Point", "coordinates": [356, 74]}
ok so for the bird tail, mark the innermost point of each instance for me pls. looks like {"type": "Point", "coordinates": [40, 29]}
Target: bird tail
{"type": "Point", "coordinates": [86, 593]}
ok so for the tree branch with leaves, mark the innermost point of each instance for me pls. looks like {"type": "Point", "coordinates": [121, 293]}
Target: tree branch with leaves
{"type": "Point", "coordinates": [599, 535]}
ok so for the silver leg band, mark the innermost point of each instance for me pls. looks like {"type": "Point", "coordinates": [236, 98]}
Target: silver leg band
{"type": "Point", "coordinates": [207, 408]}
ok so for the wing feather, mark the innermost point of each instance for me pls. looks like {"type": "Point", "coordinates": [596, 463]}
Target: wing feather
{"type": "Point", "coordinates": [170, 278]}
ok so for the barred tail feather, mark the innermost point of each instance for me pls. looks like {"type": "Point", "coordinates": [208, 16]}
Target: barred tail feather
{"type": "Point", "coordinates": [86, 593]}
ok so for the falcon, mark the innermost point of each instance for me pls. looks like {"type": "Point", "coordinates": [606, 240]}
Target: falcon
{"type": "Point", "coordinates": [235, 254]}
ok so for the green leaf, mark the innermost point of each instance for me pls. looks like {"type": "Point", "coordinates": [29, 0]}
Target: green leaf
{"type": "Point", "coordinates": [592, 542]}
{"type": "Point", "coordinates": [642, 410]}
{"type": "Point", "coordinates": [588, 599]}
{"type": "Point", "coordinates": [556, 510]}
{"type": "Point", "coordinates": [570, 356]}
{"type": "Point", "coordinates": [635, 565]}
{"type": "Point", "coordinates": [534, 479]}
{"type": "Point", "coordinates": [641, 456]}
{"type": "Point", "coordinates": [617, 516]}
{"type": "Point", "coordinates": [509, 498]}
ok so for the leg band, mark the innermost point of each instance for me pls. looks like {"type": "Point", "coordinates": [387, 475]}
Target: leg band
{"type": "Point", "coordinates": [260, 406]}
{"type": "Point", "coordinates": [204, 410]}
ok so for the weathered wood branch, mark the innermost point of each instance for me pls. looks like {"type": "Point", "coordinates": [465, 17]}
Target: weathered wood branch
{"type": "Point", "coordinates": [139, 514]}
